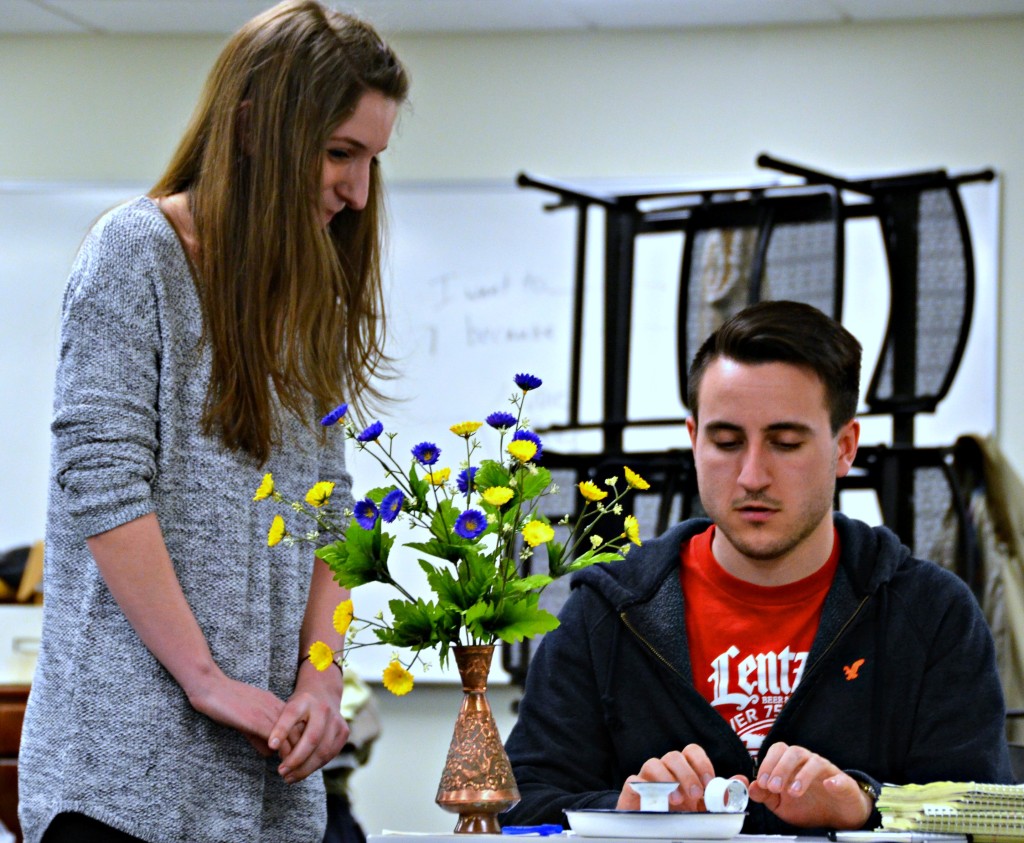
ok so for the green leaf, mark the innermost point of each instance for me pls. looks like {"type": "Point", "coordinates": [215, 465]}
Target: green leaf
{"type": "Point", "coordinates": [591, 558]}
{"type": "Point", "coordinates": [533, 484]}
{"type": "Point", "coordinates": [442, 525]}
{"type": "Point", "coordinates": [378, 493]}
{"type": "Point", "coordinates": [556, 556]}
{"type": "Point", "coordinates": [515, 620]}
{"type": "Point", "coordinates": [491, 473]}
{"type": "Point", "coordinates": [361, 558]}
{"type": "Point", "coordinates": [415, 625]}
{"type": "Point", "coordinates": [449, 551]}
{"type": "Point", "coordinates": [420, 488]}
{"type": "Point", "coordinates": [534, 582]}
{"type": "Point", "coordinates": [479, 619]}
{"type": "Point", "coordinates": [461, 591]}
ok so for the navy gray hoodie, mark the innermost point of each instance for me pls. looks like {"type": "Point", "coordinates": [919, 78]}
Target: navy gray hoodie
{"type": "Point", "coordinates": [612, 687]}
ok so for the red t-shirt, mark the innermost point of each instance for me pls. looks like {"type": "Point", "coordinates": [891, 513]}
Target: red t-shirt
{"type": "Point", "coordinates": [748, 643]}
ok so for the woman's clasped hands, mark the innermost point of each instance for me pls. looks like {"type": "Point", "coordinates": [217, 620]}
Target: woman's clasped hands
{"type": "Point", "coordinates": [306, 731]}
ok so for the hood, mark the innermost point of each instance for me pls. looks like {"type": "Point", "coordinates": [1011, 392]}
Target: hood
{"type": "Point", "coordinates": [636, 578]}
{"type": "Point", "coordinates": [870, 557]}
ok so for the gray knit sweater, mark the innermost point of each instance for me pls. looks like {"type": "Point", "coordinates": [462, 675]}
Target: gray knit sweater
{"type": "Point", "coordinates": [108, 732]}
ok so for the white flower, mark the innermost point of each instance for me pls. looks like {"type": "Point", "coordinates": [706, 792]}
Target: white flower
{"type": "Point", "coordinates": [596, 542]}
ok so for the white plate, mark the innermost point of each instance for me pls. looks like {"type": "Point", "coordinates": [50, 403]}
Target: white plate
{"type": "Point", "coordinates": [676, 825]}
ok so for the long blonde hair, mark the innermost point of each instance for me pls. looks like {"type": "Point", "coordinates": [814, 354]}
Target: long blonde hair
{"type": "Point", "coordinates": [288, 305]}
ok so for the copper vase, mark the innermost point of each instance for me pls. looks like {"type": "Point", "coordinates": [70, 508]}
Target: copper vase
{"type": "Point", "coordinates": [477, 782]}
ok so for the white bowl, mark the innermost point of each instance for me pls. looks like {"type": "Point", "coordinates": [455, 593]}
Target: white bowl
{"type": "Point", "coordinates": [678, 825]}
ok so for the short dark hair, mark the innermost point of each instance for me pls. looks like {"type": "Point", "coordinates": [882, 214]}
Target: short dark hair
{"type": "Point", "coordinates": [787, 332]}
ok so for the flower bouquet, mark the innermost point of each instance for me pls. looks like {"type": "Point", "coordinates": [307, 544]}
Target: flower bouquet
{"type": "Point", "coordinates": [474, 530]}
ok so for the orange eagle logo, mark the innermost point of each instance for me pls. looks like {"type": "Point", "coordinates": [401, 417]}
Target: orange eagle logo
{"type": "Point", "coordinates": [851, 670]}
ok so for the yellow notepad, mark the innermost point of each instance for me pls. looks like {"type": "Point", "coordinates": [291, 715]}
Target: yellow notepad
{"type": "Point", "coordinates": [988, 812]}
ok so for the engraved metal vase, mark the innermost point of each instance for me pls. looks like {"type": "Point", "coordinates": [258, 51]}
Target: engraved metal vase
{"type": "Point", "coordinates": [477, 782]}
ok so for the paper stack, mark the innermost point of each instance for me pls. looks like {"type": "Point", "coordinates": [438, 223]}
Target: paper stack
{"type": "Point", "coordinates": [988, 812]}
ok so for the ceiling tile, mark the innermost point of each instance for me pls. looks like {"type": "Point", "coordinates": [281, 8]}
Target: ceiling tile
{"type": "Point", "coordinates": [439, 16]}
{"type": "Point", "coordinates": [636, 14]}
{"type": "Point", "coordinates": [23, 17]}
{"type": "Point", "coordinates": [435, 16]}
{"type": "Point", "coordinates": [162, 16]}
{"type": "Point", "coordinates": [869, 10]}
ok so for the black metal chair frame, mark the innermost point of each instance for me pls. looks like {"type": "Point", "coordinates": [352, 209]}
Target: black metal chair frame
{"type": "Point", "coordinates": [888, 470]}
{"type": "Point", "coordinates": [629, 215]}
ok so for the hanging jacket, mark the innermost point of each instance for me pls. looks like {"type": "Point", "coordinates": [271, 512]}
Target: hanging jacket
{"type": "Point", "coordinates": [612, 687]}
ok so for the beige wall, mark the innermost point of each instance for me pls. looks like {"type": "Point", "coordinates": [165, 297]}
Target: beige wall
{"type": "Point", "coordinates": [851, 99]}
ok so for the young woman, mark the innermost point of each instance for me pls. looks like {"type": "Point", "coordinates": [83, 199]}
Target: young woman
{"type": "Point", "coordinates": [206, 327]}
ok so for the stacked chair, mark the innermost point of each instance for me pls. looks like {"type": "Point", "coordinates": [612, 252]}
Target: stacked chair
{"type": "Point", "coordinates": [741, 245]}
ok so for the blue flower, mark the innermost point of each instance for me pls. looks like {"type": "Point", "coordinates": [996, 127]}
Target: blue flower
{"type": "Point", "coordinates": [527, 382]}
{"type": "Point", "coordinates": [372, 432]}
{"type": "Point", "coordinates": [426, 453]}
{"type": "Point", "coordinates": [391, 505]}
{"type": "Point", "coordinates": [501, 421]}
{"type": "Point", "coordinates": [471, 523]}
{"type": "Point", "coordinates": [465, 479]}
{"type": "Point", "coordinates": [366, 513]}
{"type": "Point", "coordinates": [530, 437]}
{"type": "Point", "coordinates": [335, 415]}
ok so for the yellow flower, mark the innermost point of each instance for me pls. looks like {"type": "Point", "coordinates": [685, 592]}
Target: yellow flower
{"type": "Point", "coordinates": [522, 449]}
{"type": "Point", "coordinates": [320, 655]}
{"type": "Point", "coordinates": [439, 477]}
{"type": "Point", "coordinates": [343, 616]}
{"type": "Point", "coordinates": [537, 532]}
{"type": "Point", "coordinates": [266, 488]}
{"type": "Point", "coordinates": [497, 495]}
{"type": "Point", "coordinates": [634, 480]}
{"type": "Point", "coordinates": [589, 490]}
{"type": "Point", "coordinates": [276, 532]}
{"type": "Point", "coordinates": [397, 679]}
{"type": "Point", "coordinates": [632, 530]}
{"type": "Point", "coordinates": [320, 493]}
{"type": "Point", "coordinates": [466, 429]}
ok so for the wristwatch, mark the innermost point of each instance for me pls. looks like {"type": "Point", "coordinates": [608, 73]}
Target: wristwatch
{"type": "Point", "coordinates": [872, 788]}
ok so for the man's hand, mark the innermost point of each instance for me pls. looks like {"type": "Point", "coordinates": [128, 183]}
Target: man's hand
{"type": "Point", "coordinates": [809, 791]}
{"type": "Point", "coordinates": [691, 768]}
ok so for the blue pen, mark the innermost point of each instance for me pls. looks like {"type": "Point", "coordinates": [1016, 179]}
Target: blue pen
{"type": "Point", "coordinates": [541, 830]}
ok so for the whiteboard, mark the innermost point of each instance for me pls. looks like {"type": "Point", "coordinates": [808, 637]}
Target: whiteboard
{"type": "Point", "coordinates": [479, 285]}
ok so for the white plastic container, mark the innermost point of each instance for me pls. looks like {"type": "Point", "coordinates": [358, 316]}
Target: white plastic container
{"type": "Point", "coordinates": [21, 629]}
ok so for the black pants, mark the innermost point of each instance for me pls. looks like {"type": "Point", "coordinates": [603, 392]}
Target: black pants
{"type": "Point", "coordinates": [78, 828]}
{"type": "Point", "coordinates": [341, 825]}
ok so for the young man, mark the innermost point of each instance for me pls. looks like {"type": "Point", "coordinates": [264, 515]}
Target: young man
{"type": "Point", "coordinates": [803, 651]}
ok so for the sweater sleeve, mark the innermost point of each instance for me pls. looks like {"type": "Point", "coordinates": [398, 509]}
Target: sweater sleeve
{"type": "Point", "coordinates": [333, 467]}
{"type": "Point", "coordinates": [559, 749]}
{"type": "Point", "coordinates": [105, 424]}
